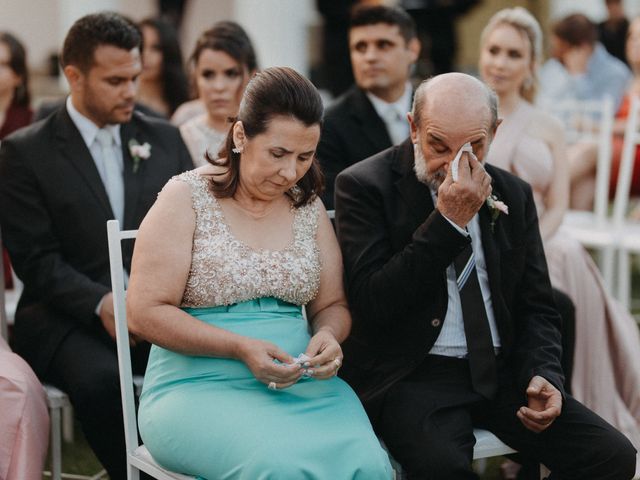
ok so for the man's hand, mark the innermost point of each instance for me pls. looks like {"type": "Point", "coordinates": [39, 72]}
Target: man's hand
{"type": "Point", "coordinates": [545, 405]}
{"type": "Point", "coordinates": [108, 319]}
{"type": "Point", "coordinates": [460, 201]}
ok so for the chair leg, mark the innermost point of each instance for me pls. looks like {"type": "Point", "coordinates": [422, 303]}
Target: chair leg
{"type": "Point", "coordinates": [624, 274]}
{"type": "Point", "coordinates": [56, 446]}
{"type": "Point", "coordinates": [607, 257]}
{"type": "Point", "coordinates": [67, 424]}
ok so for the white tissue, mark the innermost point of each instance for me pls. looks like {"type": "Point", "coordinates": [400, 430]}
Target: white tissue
{"type": "Point", "coordinates": [456, 161]}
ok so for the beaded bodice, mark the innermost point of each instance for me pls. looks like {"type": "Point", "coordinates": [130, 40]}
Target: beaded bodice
{"type": "Point", "coordinates": [225, 270]}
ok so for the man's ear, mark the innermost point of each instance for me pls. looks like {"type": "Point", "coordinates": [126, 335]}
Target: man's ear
{"type": "Point", "coordinates": [413, 128]}
{"type": "Point", "coordinates": [495, 128]}
{"type": "Point", "coordinates": [75, 77]}
{"type": "Point", "coordinates": [414, 47]}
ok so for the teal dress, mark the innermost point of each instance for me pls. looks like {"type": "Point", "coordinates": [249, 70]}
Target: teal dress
{"type": "Point", "coordinates": [209, 417]}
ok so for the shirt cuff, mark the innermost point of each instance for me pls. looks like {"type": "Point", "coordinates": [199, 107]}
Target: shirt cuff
{"type": "Point", "coordinates": [460, 230]}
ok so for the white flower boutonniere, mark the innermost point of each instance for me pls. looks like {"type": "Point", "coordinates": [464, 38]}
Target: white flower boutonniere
{"type": "Point", "coordinates": [138, 153]}
{"type": "Point", "coordinates": [496, 207]}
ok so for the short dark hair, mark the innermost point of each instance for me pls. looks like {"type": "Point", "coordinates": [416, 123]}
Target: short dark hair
{"type": "Point", "coordinates": [175, 87]}
{"type": "Point", "coordinates": [363, 15]}
{"type": "Point", "coordinates": [276, 91]}
{"type": "Point", "coordinates": [230, 38]}
{"type": "Point", "coordinates": [18, 63]}
{"type": "Point", "coordinates": [92, 31]}
{"type": "Point", "coordinates": [576, 30]}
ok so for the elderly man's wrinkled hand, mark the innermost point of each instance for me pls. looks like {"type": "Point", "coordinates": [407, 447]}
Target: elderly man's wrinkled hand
{"type": "Point", "coordinates": [544, 405]}
{"type": "Point", "coordinates": [460, 201]}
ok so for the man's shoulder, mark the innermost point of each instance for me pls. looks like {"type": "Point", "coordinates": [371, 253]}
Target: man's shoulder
{"type": "Point", "coordinates": [154, 124]}
{"type": "Point", "coordinates": [376, 168]}
{"type": "Point", "coordinates": [345, 103]}
{"type": "Point", "coordinates": [505, 182]}
{"type": "Point", "coordinates": [35, 134]}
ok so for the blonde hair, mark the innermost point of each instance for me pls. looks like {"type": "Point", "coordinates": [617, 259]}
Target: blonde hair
{"type": "Point", "coordinates": [522, 20]}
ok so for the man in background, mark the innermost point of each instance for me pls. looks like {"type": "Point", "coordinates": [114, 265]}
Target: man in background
{"type": "Point", "coordinates": [371, 116]}
{"type": "Point", "coordinates": [61, 179]}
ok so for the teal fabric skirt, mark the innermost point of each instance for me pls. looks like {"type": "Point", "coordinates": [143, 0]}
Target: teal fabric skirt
{"type": "Point", "coordinates": [209, 417]}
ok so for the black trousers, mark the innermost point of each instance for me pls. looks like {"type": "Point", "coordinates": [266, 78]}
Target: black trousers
{"type": "Point", "coordinates": [85, 366]}
{"type": "Point", "coordinates": [426, 421]}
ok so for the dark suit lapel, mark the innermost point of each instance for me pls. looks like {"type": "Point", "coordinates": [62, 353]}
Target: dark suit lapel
{"type": "Point", "coordinates": [71, 145]}
{"type": "Point", "coordinates": [415, 194]}
{"type": "Point", "coordinates": [129, 133]}
{"type": "Point", "coordinates": [491, 236]}
{"type": "Point", "coordinates": [373, 127]}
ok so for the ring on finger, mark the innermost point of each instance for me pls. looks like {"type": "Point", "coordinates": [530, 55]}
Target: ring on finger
{"type": "Point", "coordinates": [337, 362]}
{"type": "Point", "coordinates": [272, 386]}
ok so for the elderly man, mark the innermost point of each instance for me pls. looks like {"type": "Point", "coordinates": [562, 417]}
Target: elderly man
{"type": "Point", "coordinates": [454, 325]}
{"type": "Point", "coordinates": [61, 179]}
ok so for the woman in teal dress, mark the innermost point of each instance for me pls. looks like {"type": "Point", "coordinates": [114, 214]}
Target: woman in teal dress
{"type": "Point", "coordinates": [240, 383]}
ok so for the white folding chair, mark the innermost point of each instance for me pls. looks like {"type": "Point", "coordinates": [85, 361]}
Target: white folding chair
{"type": "Point", "coordinates": [138, 457]}
{"type": "Point", "coordinates": [592, 121]}
{"type": "Point", "coordinates": [627, 231]}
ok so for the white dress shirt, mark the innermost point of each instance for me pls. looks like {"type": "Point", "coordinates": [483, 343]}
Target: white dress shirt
{"type": "Point", "coordinates": [394, 114]}
{"type": "Point", "coordinates": [452, 341]}
{"type": "Point", "coordinates": [88, 130]}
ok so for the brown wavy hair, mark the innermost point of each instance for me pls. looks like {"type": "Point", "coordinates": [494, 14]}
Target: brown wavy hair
{"type": "Point", "coordinates": [276, 91]}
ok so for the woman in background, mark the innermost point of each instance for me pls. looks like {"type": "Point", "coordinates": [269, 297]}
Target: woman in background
{"type": "Point", "coordinates": [15, 102]}
{"type": "Point", "coordinates": [530, 143]}
{"type": "Point", "coordinates": [633, 59]}
{"type": "Point", "coordinates": [163, 82]}
{"type": "Point", "coordinates": [223, 62]}
{"type": "Point", "coordinates": [24, 418]}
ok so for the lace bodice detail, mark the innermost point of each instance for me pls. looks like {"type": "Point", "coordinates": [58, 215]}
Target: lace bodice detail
{"type": "Point", "coordinates": [224, 270]}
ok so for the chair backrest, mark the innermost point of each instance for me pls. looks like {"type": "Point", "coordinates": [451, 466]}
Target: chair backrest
{"type": "Point", "coordinates": [591, 120]}
{"type": "Point", "coordinates": [115, 237]}
{"type": "Point", "coordinates": [627, 161]}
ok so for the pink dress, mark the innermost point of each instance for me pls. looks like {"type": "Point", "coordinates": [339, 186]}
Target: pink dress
{"type": "Point", "coordinates": [606, 371]}
{"type": "Point", "coordinates": [24, 419]}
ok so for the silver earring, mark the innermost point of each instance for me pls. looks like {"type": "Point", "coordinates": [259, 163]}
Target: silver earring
{"type": "Point", "coordinates": [237, 150]}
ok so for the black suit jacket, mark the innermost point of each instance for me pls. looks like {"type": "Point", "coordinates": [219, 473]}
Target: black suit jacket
{"type": "Point", "coordinates": [352, 131]}
{"type": "Point", "coordinates": [53, 213]}
{"type": "Point", "coordinates": [396, 249]}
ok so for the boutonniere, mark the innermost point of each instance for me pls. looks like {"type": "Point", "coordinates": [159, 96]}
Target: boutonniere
{"type": "Point", "coordinates": [138, 153]}
{"type": "Point", "coordinates": [496, 207]}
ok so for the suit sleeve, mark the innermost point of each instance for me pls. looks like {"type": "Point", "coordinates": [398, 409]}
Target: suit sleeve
{"type": "Point", "coordinates": [28, 234]}
{"type": "Point", "coordinates": [537, 346]}
{"type": "Point", "coordinates": [331, 153]}
{"type": "Point", "coordinates": [185, 160]}
{"type": "Point", "coordinates": [385, 285]}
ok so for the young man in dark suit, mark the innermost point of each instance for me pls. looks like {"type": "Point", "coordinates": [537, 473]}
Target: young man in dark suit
{"type": "Point", "coordinates": [61, 179]}
{"type": "Point", "coordinates": [371, 116]}
{"type": "Point", "coordinates": [454, 325]}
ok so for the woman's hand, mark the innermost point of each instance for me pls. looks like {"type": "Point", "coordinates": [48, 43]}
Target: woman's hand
{"type": "Point", "coordinates": [259, 357]}
{"type": "Point", "coordinates": [326, 355]}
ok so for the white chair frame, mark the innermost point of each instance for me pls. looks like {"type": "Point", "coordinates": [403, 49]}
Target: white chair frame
{"type": "Point", "coordinates": [593, 229]}
{"type": "Point", "coordinates": [138, 457]}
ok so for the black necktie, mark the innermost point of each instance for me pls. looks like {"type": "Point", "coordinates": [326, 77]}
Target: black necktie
{"type": "Point", "coordinates": [482, 359]}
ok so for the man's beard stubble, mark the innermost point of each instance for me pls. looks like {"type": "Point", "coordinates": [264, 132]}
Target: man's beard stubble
{"type": "Point", "coordinates": [431, 179]}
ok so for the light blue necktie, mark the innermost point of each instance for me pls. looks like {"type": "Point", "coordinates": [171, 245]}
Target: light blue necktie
{"type": "Point", "coordinates": [114, 183]}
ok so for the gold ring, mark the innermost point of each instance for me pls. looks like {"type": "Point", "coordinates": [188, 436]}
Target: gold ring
{"type": "Point", "coordinates": [337, 362]}
{"type": "Point", "coordinates": [272, 386]}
